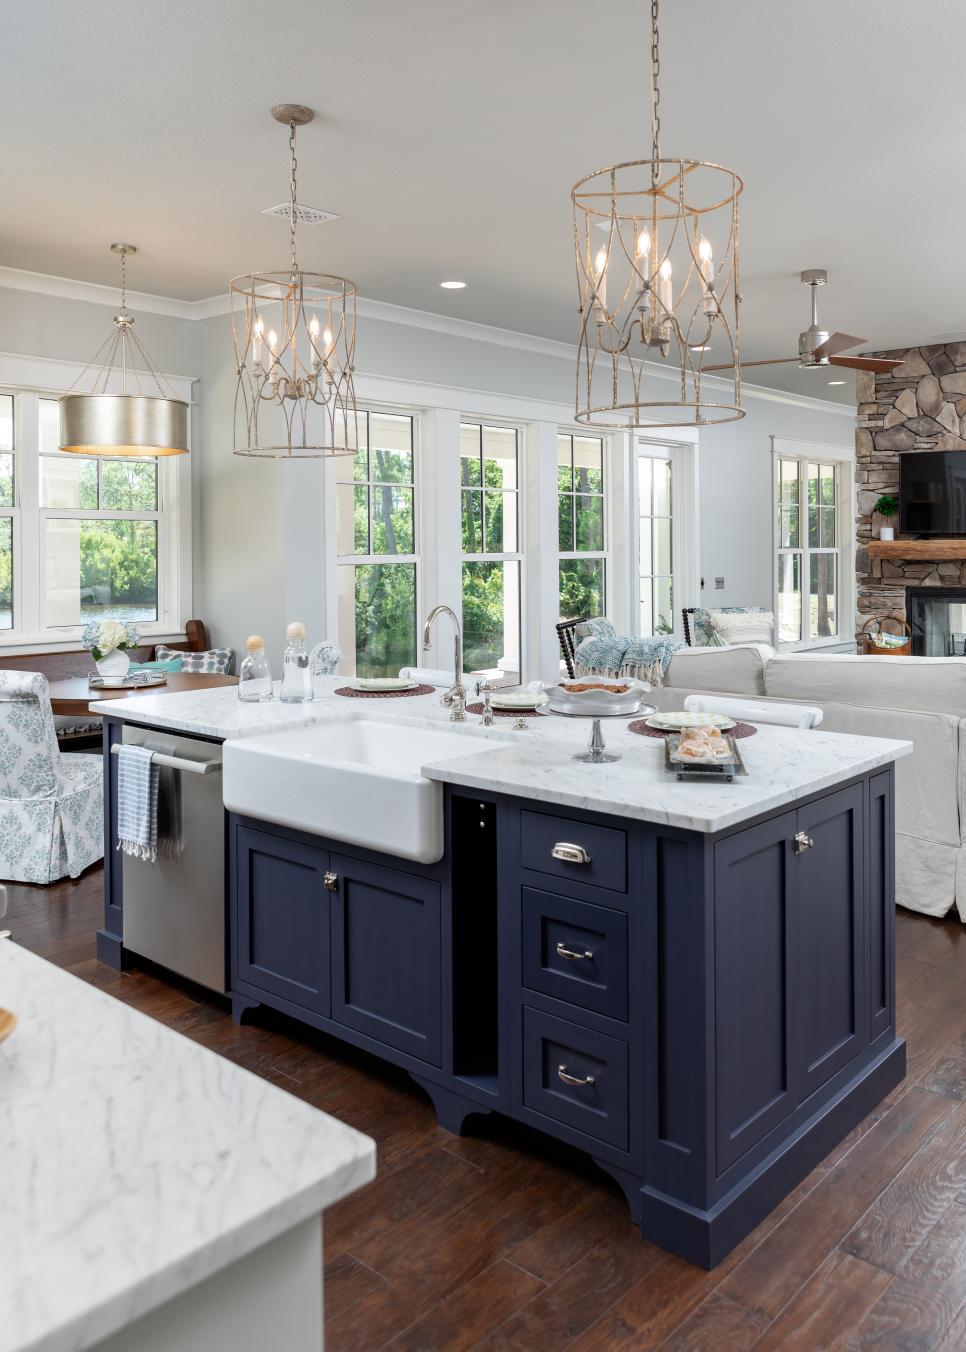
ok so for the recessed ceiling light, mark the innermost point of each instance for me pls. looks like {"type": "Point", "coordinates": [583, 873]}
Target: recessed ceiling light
{"type": "Point", "coordinates": [453, 286]}
{"type": "Point", "coordinates": [836, 382]}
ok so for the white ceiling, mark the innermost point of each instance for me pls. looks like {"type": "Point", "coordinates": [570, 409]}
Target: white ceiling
{"type": "Point", "coordinates": [450, 132]}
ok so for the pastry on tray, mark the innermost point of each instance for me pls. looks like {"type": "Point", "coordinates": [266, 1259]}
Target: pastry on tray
{"type": "Point", "coordinates": [702, 745]}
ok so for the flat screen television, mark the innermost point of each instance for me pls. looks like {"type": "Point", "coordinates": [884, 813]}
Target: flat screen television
{"type": "Point", "coordinates": [932, 492]}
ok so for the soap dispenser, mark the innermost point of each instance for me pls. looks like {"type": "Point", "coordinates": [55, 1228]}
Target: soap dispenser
{"type": "Point", "coordinates": [296, 677]}
{"type": "Point", "coordinates": [255, 673]}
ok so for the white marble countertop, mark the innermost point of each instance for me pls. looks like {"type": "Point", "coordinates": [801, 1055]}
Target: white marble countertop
{"type": "Point", "coordinates": [784, 764]}
{"type": "Point", "coordinates": [135, 1163]}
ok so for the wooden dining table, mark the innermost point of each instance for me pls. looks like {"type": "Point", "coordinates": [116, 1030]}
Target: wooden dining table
{"type": "Point", "coordinates": [73, 696]}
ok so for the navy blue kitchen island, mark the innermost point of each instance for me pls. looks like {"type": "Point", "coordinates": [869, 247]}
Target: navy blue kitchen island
{"type": "Point", "coordinates": [705, 1013]}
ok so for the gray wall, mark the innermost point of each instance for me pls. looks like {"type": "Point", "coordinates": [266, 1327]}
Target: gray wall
{"type": "Point", "coordinates": [249, 568]}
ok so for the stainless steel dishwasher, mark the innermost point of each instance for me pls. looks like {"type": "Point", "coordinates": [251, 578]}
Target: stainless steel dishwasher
{"type": "Point", "coordinates": [174, 909]}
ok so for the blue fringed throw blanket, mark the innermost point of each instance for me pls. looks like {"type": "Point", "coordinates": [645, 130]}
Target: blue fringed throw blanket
{"type": "Point", "coordinates": [617, 655]}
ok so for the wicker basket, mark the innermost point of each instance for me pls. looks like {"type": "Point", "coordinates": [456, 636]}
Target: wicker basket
{"type": "Point", "coordinates": [869, 647]}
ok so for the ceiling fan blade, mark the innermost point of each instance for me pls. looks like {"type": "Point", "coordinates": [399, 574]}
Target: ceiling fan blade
{"type": "Point", "coordinates": [769, 361]}
{"type": "Point", "coordinates": [878, 364]}
{"type": "Point", "coordinates": [837, 342]}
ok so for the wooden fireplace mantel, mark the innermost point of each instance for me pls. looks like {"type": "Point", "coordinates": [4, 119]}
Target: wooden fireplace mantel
{"type": "Point", "coordinates": [918, 549]}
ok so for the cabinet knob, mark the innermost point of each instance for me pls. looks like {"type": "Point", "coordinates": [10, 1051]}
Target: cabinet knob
{"type": "Point", "coordinates": [331, 882]}
{"type": "Point", "coordinates": [803, 842]}
{"type": "Point", "coordinates": [572, 954]}
{"type": "Point", "coordinates": [570, 854]}
{"type": "Point", "coordinates": [575, 1080]}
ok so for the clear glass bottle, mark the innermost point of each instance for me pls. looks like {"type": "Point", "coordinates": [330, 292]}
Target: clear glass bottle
{"type": "Point", "coordinates": [296, 677]}
{"type": "Point", "coordinates": [255, 673]}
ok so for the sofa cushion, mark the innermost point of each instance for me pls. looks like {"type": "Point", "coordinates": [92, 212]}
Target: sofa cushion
{"type": "Point", "coordinates": [729, 671]}
{"type": "Point", "coordinates": [930, 684]}
{"type": "Point", "coordinates": [596, 628]}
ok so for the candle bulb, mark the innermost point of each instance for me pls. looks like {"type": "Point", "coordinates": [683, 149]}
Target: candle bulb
{"type": "Point", "coordinates": [257, 341]}
{"type": "Point", "coordinates": [600, 269]}
{"type": "Point", "coordinates": [705, 262]}
{"type": "Point", "coordinates": [326, 343]}
{"type": "Point", "coordinates": [314, 338]}
{"type": "Point", "coordinates": [643, 246]}
{"type": "Point", "coordinates": [665, 294]}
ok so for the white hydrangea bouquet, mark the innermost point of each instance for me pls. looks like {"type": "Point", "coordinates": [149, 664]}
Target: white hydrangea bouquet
{"type": "Point", "coordinates": [107, 641]}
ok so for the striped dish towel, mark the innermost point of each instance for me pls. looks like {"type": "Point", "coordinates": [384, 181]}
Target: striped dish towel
{"type": "Point", "coordinates": [137, 803]}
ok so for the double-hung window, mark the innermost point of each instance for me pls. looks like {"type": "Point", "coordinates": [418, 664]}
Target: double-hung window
{"type": "Point", "coordinates": [376, 545]}
{"type": "Point", "coordinates": [580, 526]}
{"type": "Point", "coordinates": [655, 528]}
{"type": "Point", "coordinates": [491, 548]}
{"type": "Point", "coordinates": [84, 537]}
{"type": "Point", "coordinates": [809, 495]}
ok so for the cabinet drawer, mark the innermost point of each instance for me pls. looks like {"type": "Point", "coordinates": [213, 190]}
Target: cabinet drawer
{"type": "Point", "coordinates": [557, 1053]}
{"type": "Point", "coordinates": [575, 951]}
{"type": "Point", "coordinates": [602, 849]}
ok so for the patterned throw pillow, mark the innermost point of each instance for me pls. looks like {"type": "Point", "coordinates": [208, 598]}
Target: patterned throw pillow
{"type": "Point", "coordinates": [214, 662]}
{"type": "Point", "coordinates": [703, 631]}
{"type": "Point", "coordinates": [596, 629]}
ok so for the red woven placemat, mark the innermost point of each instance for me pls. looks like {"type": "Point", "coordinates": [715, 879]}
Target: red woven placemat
{"type": "Point", "coordinates": [502, 713]}
{"type": "Point", "coordinates": [382, 694]}
{"type": "Point", "coordinates": [739, 730]}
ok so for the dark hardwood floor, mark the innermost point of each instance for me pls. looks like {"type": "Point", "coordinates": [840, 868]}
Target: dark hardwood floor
{"type": "Point", "coordinates": [502, 1240]}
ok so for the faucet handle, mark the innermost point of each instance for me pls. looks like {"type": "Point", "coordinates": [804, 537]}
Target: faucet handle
{"type": "Point", "coordinates": [483, 687]}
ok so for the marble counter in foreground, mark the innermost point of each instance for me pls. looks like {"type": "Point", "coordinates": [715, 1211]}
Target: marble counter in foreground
{"type": "Point", "coordinates": [136, 1163]}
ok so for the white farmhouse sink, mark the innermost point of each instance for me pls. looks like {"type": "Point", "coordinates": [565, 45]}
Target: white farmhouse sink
{"type": "Point", "coordinates": [355, 781]}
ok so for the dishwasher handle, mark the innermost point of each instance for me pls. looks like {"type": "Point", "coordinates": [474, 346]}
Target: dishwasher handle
{"type": "Point", "coordinates": [179, 762]}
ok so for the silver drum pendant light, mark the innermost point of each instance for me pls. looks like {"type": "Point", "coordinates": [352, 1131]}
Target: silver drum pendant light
{"type": "Point", "coordinates": [107, 422]}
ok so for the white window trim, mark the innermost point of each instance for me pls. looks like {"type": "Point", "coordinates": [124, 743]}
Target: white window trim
{"type": "Point", "coordinates": [843, 458]}
{"type": "Point", "coordinates": [682, 451]}
{"type": "Point", "coordinates": [31, 379]}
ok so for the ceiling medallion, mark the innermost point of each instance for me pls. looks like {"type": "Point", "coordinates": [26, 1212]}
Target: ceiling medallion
{"type": "Point", "coordinates": [294, 334]}
{"type": "Point", "coordinates": [105, 422]}
{"type": "Point", "coordinates": [656, 245]}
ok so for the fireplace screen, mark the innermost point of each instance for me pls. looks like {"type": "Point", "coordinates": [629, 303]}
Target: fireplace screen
{"type": "Point", "coordinates": [937, 617]}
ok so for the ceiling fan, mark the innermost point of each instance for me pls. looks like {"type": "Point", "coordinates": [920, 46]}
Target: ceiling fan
{"type": "Point", "coordinates": [819, 349]}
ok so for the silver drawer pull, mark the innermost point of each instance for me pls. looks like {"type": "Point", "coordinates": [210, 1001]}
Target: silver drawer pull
{"type": "Point", "coordinates": [803, 842]}
{"type": "Point", "coordinates": [570, 854]}
{"type": "Point", "coordinates": [563, 1074]}
{"type": "Point", "coordinates": [572, 955]}
{"type": "Point", "coordinates": [331, 882]}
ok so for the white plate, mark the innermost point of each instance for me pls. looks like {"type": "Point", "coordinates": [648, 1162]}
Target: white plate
{"type": "Point", "coordinates": [518, 699]}
{"type": "Point", "coordinates": [668, 722]}
{"type": "Point", "coordinates": [375, 683]}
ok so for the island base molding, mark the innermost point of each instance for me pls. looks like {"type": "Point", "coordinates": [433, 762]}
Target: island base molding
{"type": "Point", "coordinates": [707, 1237]}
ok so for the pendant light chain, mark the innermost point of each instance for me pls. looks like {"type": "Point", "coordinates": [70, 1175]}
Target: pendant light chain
{"type": "Point", "coordinates": [655, 96]}
{"type": "Point", "coordinates": [293, 191]}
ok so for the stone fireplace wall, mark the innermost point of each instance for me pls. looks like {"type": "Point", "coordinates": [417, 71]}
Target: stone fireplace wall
{"type": "Point", "coordinates": [920, 406]}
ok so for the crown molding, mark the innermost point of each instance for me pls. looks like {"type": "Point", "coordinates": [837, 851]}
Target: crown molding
{"type": "Point", "coordinates": [214, 307]}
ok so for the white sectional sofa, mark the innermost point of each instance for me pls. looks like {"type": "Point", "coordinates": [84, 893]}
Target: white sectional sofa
{"type": "Point", "coordinates": [920, 699]}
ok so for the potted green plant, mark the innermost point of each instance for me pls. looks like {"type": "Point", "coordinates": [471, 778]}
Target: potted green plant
{"type": "Point", "coordinates": [888, 508]}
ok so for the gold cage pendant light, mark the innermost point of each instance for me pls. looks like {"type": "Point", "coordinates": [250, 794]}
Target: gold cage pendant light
{"type": "Point", "coordinates": [294, 334]}
{"type": "Point", "coordinates": [105, 422]}
{"type": "Point", "coordinates": [657, 254]}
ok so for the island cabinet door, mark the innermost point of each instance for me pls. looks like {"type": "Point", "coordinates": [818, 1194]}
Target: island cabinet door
{"type": "Point", "coordinates": [829, 950]}
{"type": "Point", "coordinates": [386, 976]}
{"type": "Point", "coordinates": [754, 954]}
{"type": "Point", "coordinates": [280, 930]}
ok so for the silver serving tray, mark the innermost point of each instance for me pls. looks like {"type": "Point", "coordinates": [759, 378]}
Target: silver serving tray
{"type": "Point", "coordinates": [139, 681]}
{"type": "Point", "coordinates": [722, 771]}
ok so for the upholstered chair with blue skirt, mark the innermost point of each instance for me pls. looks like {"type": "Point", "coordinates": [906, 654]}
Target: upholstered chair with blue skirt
{"type": "Point", "coordinates": [51, 804]}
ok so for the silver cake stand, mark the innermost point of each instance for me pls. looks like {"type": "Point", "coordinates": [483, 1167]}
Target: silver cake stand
{"type": "Point", "coordinates": [596, 753]}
